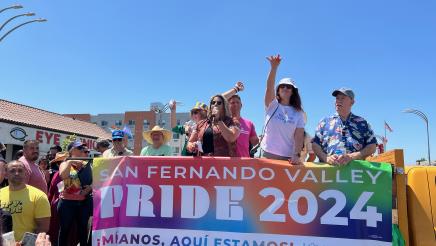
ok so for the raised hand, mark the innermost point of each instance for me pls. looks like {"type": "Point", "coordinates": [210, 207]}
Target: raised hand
{"type": "Point", "coordinates": [274, 60]}
{"type": "Point", "coordinates": [240, 86]}
{"type": "Point", "coordinates": [172, 105]}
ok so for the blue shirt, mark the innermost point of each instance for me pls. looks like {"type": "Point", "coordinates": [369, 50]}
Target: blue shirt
{"type": "Point", "coordinates": [333, 134]}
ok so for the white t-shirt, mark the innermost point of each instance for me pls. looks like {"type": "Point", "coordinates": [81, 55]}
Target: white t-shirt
{"type": "Point", "coordinates": [279, 133]}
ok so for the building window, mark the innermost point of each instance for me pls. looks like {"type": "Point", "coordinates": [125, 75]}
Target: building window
{"type": "Point", "coordinates": [176, 149]}
{"type": "Point", "coordinates": [178, 122]}
{"type": "Point", "coordinates": [146, 124]}
{"type": "Point", "coordinates": [131, 122]}
{"type": "Point", "coordinates": [176, 136]}
{"type": "Point", "coordinates": [104, 123]}
{"type": "Point", "coordinates": [118, 122]}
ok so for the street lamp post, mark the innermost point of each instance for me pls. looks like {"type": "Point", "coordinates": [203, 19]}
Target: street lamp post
{"type": "Point", "coordinates": [425, 118]}
{"type": "Point", "coordinates": [12, 18]}
{"type": "Point", "coordinates": [25, 23]}
{"type": "Point", "coordinates": [12, 7]}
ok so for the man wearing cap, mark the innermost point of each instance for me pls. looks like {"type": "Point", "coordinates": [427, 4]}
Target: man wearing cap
{"type": "Point", "coordinates": [119, 147]}
{"type": "Point", "coordinates": [157, 138]}
{"type": "Point", "coordinates": [343, 137]}
{"type": "Point", "coordinates": [35, 177]}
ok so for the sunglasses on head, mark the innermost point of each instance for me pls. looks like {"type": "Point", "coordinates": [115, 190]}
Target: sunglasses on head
{"type": "Point", "coordinates": [285, 86]}
{"type": "Point", "coordinates": [117, 140]}
{"type": "Point", "coordinates": [218, 103]}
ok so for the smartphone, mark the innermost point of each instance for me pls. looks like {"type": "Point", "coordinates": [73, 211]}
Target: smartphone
{"type": "Point", "coordinates": [8, 239]}
{"type": "Point", "coordinates": [29, 239]}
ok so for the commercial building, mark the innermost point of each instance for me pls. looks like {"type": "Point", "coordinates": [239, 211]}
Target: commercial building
{"type": "Point", "coordinates": [19, 123]}
{"type": "Point", "coordinates": [138, 122]}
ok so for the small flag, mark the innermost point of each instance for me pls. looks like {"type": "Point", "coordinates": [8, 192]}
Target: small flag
{"type": "Point", "coordinates": [127, 131]}
{"type": "Point", "coordinates": [387, 127]}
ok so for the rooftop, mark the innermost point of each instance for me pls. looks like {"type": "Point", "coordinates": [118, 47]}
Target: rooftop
{"type": "Point", "coordinates": [34, 117]}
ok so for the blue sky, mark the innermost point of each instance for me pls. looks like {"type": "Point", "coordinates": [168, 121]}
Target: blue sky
{"type": "Point", "coordinates": [115, 56]}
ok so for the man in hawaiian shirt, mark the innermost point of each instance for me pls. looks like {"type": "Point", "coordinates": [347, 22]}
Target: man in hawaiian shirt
{"type": "Point", "coordinates": [344, 136]}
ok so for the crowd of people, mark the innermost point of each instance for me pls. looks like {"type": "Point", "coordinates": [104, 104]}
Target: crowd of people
{"type": "Point", "coordinates": [53, 195]}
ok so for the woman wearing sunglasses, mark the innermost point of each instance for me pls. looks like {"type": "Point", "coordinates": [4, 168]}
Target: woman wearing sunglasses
{"type": "Point", "coordinates": [75, 203]}
{"type": "Point", "coordinates": [216, 135]}
{"type": "Point", "coordinates": [284, 122]}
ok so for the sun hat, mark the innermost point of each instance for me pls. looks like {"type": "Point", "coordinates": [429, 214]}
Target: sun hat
{"type": "Point", "coordinates": [199, 106]}
{"type": "Point", "coordinates": [287, 81]}
{"type": "Point", "coordinates": [166, 134]}
{"type": "Point", "coordinates": [60, 156]}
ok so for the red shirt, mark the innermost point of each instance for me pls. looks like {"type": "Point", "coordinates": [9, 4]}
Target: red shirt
{"type": "Point", "coordinates": [35, 177]}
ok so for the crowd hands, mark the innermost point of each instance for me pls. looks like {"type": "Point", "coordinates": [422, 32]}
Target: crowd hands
{"type": "Point", "coordinates": [216, 129]}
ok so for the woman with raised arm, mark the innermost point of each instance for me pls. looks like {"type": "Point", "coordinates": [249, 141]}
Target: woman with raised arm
{"type": "Point", "coordinates": [284, 121]}
{"type": "Point", "coordinates": [198, 113]}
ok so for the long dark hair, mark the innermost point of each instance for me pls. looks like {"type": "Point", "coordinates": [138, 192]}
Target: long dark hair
{"type": "Point", "coordinates": [225, 106]}
{"type": "Point", "coordinates": [294, 101]}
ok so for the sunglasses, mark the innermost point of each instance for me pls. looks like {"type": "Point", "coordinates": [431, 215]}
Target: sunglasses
{"type": "Point", "coordinates": [117, 140]}
{"type": "Point", "coordinates": [285, 86]}
{"type": "Point", "coordinates": [218, 103]}
{"type": "Point", "coordinates": [196, 112]}
{"type": "Point", "coordinates": [81, 148]}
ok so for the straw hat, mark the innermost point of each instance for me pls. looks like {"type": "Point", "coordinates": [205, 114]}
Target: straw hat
{"type": "Point", "coordinates": [60, 156]}
{"type": "Point", "coordinates": [167, 134]}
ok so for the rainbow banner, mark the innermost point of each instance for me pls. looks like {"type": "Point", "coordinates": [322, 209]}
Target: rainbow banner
{"type": "Point", "coordinates": [169, 201]}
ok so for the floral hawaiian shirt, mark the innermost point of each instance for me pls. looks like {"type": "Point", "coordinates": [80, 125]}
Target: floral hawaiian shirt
{"type": "Point", "coordinates": [352, 135]}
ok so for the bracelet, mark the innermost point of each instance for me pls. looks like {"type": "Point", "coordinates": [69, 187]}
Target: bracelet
{"type": "Point", "coordinates": [236, 89]}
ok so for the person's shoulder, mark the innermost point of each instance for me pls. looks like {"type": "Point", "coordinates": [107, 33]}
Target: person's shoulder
{"type": "Point", "coordinates": [35, 191]}
{"type": "Point", "coordinates": [107, 152]}
{"type": "Point", "coordinates": [178, 129]}
{"type": "Point", "coordinates": [272, 105]}
{"type": "Point", "coordinates": [328, 118]}
{"type": "Point", "coordinates": [202, 122]}
{"type": "Point", "coordinates": [358, 119]}
{"type": "Point", "coordinates": [246, 121]}
{"type": "Point", "coordinates": [166, 147]}
{"type": "Point", "coordinates": [4, 190]}
{"type": "Point", "coordinates": [24, 161]}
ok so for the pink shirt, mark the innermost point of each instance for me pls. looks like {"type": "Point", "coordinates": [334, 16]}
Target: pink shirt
{"type": "Point", "coordinates": [35, 177]}
{"type": "Point", "coordinates": [243, 142]}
